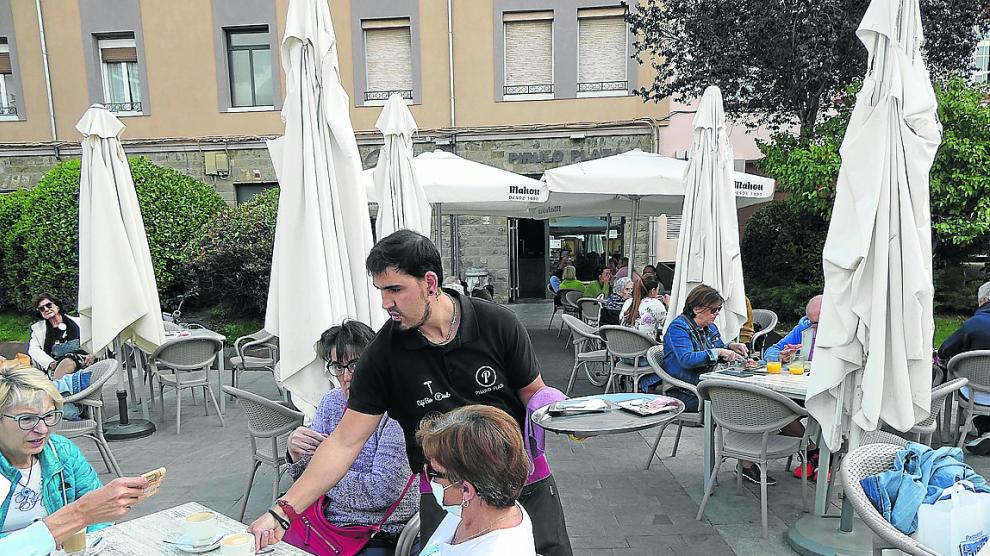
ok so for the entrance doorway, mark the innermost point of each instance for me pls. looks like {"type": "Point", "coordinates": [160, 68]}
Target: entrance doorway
{"type": "Point", "coordinates": [528, 270]}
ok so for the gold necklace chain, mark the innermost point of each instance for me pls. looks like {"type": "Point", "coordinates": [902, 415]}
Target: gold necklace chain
{"type": "Point", "coordinates": [450, 327]}
{"type": "Point", "coordinates": [491, 527]}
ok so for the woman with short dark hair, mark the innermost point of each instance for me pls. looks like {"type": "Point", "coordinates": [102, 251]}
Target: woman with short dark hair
{"type": "Point", "coordinates": [477, 467]}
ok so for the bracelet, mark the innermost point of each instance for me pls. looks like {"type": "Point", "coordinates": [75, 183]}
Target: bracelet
{"type": "Point", "coordinates": [280, 520]}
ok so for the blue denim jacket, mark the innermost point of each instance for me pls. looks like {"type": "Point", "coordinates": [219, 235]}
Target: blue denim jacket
{"type": "Point", "coordinates": [918, 477]}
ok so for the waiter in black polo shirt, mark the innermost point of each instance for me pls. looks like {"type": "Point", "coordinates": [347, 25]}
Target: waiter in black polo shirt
{"type": "Point", "coordinates": [439, 351]}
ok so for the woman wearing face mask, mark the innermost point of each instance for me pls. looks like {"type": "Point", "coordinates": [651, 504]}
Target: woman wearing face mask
{"type": "Point", "coordinates": [477, 468]}
{"type": "Point", "coordinates": [381, 470]}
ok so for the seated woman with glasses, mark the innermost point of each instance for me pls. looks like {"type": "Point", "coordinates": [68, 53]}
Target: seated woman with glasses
{"type": "Point", "coordinates": [43, 471]}
{"type": "Point", "coordinates": [54, 346]}
{"type": "Point", "coordinates": [380, 472]}
{"type": "Point", "coordinates": [477, 467]}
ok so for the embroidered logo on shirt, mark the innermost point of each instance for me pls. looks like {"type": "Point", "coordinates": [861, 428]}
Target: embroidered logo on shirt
{"type": "Point", "coordinates": [485, 376]}
{"type": "Point", "coordinates": [433, 396]}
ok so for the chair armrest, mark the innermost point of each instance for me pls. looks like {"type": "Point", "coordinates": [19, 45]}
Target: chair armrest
{"type": "Point", "coordinates": [285, 429]}
{"type": "Point", "coordinates": [89, 402]}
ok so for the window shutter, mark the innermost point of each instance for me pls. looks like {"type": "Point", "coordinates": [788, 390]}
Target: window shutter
{"type": "Point", "coordinates": [119, 54]}
{"type": "Point", "coordinates": [528, 52]}
{"type": "Point", "coordinates": [602, 43]}
{"type": "Point", "coordinates": [5, 63]}
{"type": "Point", "coordinates": [673, 226]}
{"type": "Point", "coordinates": [388, 58]}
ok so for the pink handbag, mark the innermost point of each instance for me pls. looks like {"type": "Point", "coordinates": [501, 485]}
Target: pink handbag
{"type": "Point", "coordinates": [310, 530]}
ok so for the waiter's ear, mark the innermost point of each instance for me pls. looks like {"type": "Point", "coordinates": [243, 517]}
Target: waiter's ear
{"type": "Point", "coordinates": [432, 282]}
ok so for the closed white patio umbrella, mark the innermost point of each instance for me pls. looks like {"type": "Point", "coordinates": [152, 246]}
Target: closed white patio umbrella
{"type": "Point", "coordinates": [708, 247]}
{"type": "Point", "coordinates": [402, 203]}
{"type": "Point", "coordinates": [323, 232]}
{"type": "Point", "coordinates": [118, 294]}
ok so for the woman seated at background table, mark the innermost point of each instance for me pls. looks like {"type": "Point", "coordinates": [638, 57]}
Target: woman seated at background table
{"type": "Point", "coordinates": [381, 470]}
{"type": "Point", "coordinates": [477, 468]}
{"type": "Point", "coordinates": [570, 281]}
{"type": "Point", "coordinates": [645, 311]}
{"type": "Point", "coordinates": [54, 346]}
{"type": "Point", "coordinates": [44, 471]}
{"type": "Point", "coordinates": [599, 287]}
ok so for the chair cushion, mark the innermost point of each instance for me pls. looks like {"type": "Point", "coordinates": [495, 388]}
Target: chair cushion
{"type": "Point", "coordinates": [778, 446]}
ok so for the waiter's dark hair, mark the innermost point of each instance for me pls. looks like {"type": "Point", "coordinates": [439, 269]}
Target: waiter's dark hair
{"type": "Point", "coordinates": [407, 251]}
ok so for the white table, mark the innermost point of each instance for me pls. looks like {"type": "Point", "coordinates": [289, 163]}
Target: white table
{"type": "Point", "coordinates": [792, 386]}
{"type": "Point", "coordinates": [613, 421]}
{"type": "Point", "coordinates": [144, 535]}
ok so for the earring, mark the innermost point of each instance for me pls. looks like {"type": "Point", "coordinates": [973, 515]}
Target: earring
{"type": "Point", "coordinates": [465, 503]}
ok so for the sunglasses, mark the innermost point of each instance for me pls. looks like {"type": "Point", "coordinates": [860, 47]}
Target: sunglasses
{"type": "Point", "coordinates": [28, 421]}
{"type": "Point", "coordinates": [46, 306]}
{"type": "Point", "coordinates": [433, 473]}
{"type": "Point", "coordinates": [715, 310]}
{"type": "Point", "coordinates": [337, 369]}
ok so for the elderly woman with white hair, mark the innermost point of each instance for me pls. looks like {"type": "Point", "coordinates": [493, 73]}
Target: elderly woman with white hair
{"type": "Point", "coordinates": [44, 472]}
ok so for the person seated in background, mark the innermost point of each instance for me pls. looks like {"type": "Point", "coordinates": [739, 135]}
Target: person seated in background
{"type": "Point", "coordinates": [108, 503]}
{"type": "Point", "coordinates": [748, 328]}
{"type": "Point", "coordinates": [645, 312]}
{"type": "Point", "coordinates": [555, 280]}
{"type": "Point", "coordinates": [804, 333]}
{"type": "Point", "coordinates": [570, 281]}
{"type": "Point", "coordinates": [599, 287]}
{"type": "Point", "coordinates": [649, 269]}
{"type": "Point", "coordinates": [44, 471]}
{"type": "Point", "coordinates": [453, 283]}
{"type": "Point", "coordinates": [974, 334]}
{"type": "Point", "coordinates": [477, 466]}
{"type": "Point", "coordinates": [622, 289]}
{"type": "Point", "coordinates": [381, 470]}
{"type": "Point", "coordinates": [623, 270]}
{"type": "Point", "coordinates": [54, 346]}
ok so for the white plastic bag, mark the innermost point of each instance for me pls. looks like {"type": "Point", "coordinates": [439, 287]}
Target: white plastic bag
{"type": "Point", "coordinates": [957, 523]}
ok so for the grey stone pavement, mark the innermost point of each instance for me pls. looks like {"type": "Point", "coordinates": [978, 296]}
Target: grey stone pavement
{"type": "Point", "coordinates": [613, 505]}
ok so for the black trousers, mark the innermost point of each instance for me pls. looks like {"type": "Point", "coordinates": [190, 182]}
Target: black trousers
{"type": "Point", "coordinates": [542, 502]}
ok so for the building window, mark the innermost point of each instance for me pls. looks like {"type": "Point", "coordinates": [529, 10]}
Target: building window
{"type": "Point", "coordinates": [387, 59]}
{"type": "Point", "coordinates": [982, 62]}
{"type": "Point", "coordinates": [602, 52]}
{"type": "Point", "coordinates": [673, 226]}
{"type": "Point", "coordinates": [7, 105]}
{"type": "Point", "coordinates": [249, 61]}
{"type": "Point", "coordinates": [121, 75]}
{"type": "Point", "coordinates": [528, 55]}
{"type": "Point", "coordinates": [244, 192]}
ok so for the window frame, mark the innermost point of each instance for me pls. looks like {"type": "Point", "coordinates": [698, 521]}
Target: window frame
{"type": "Point", "coordinates": [515, 97]}
{"type": "Point", "coordinates": [982, 73]}
{"type": "Point", "coordinates": [624, 92]}
{"type": "Point", "coordinates": [407, 94]}
{"type": "Point", "coordinates": [230, 49]}
{"type": "Point", "coordinates": [5, 102]}
{"type": "Point", "coordinates": [119, 42]}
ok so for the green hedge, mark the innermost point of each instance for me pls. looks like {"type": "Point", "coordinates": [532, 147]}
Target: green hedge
{"type": "Point", "coordinates": [39, 229]}
{"type": "Point", "coordinates": [230, 263]}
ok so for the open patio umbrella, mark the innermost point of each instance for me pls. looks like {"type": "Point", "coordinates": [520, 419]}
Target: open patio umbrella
{"type": "Point", "coordinates": [118, 295]}
{"type": "Point", "coordinates": [402, 201]}
{"type": "Point", "coordinates": [708, 248]}
{"type": "Point", "coordinates": [872, 360]}
{"type": "Point", "coordinates": [322, 232]}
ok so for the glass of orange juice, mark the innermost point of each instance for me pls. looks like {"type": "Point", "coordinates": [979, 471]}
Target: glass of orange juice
{"type": "Point", "coordinates": [773, 367]}
{"type": "Point", "coordinates": [797, 368]}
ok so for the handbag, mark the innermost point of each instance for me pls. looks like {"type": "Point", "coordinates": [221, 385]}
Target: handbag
{"type": "Point", "coordinates": [312, 532]}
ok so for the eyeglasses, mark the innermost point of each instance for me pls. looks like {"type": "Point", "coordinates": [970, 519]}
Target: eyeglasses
{"type": "Point", "coordinates": [337, 369]}
{"type": "Point", "coordinates": [46, 306]}
{"type": "Point", "coordinates": [27, 421]}
{"type": "Point", "coordinates": [715, 310]}
{"type": "Point", "coordinates": [433, 473]}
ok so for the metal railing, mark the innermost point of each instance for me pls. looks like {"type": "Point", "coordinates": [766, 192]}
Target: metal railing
{"type": "Point", "coordinates": [123, 106]}
{"type": "Point", "coordinates": [8, 110]}
{"type": "Point", "coordinates": [383, 95]}
{"type": "Point", "coordinates": [527, 89]}
{"type": "Point", "coordinates": [601, 86]}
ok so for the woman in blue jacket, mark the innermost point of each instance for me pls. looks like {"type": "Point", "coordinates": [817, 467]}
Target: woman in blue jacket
{"type": "Point", "coordinates": [43, 471]}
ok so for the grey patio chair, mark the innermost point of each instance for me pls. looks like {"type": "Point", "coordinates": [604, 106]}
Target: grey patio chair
{"type": "Point", "coordinates": [925, 430]}
{"type": "Point", "coordinates": [586, 351]}
{"type": "Point", "coordinates": [871, 459]}
{"type": "Point", "coordinates": [882, 437]}
{"type": "Point", "coordinates": [270, 423]}
{"type": "Point", "coordinates": [569, 300]}
{"type": "Point", "coordinates": [975, 366]}
{"type": "Point", "coordinates": [184, 364]}
{"type": "Point", "coordinates": [628, 343]}
{"type": "Point", "coordinates": [767, 321]}
{"type": "Point", "coordinates": [557, 306]}
{"type": "Point", "coordinates": [254, 351]}
{"type": "Point", "coordinates": [747, 420]}
{"type": "Point", "coordinates": [91, 425]}
{"type": "Point", "coordinates": [590, 309]}
{"type": "Point", "coordinates": [407, 537]}
{"type": "Point", "coordinates": [655, 356]}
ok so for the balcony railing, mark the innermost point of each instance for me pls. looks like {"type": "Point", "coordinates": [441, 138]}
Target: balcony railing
{"type": "Point", "coordinates": [527, 89]}
{"type": "Point", "coordinates": [602, 86]}
{"type": "Point", "coordinates": [8, 110]}
{"type": "Point", "coordinates": [123, 106]}
{"type": "Point", "coordinates": [383, 95]}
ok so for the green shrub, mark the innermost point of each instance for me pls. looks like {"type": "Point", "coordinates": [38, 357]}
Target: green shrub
{"type": "Point", "coordinates": [41, 247]}
{"type": "Point", "coordinates": [230, 263]}
{"type": "Point", "coordinates": [11, 206]}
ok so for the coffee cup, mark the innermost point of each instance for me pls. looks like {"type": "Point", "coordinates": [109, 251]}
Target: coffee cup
{"type": "Point", "coordinates": [76, 543]}
{"type": "Point", "coordinates": [201, 527]}
{"type": "Point", "coordinates": [237, 544]}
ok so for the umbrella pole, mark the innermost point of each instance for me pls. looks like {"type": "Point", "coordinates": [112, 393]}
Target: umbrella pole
{"type": "Point", "coordinates": [125, 428]}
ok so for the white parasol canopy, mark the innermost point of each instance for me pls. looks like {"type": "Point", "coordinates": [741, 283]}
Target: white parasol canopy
{"type": "Point", "coordinates": [403, 202]}
{"type": "Point", "coordinates": [466, 187]}
{"type": "Point", "coordinates": [118, 295]}
{"type": "Point", "coordinates": [323, 232]}
{"type": "Point", "coordinates": [872, 359]}
{"type": "Point", "coordinates": [708, 249]}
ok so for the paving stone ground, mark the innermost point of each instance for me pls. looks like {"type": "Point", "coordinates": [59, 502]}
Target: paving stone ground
{"type": "Point", "coordinates": [613, 505]}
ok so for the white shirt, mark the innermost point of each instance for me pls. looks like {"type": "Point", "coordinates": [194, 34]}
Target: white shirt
{"type": "Point", "coordinates": [26, 505]}
{"type": "Point", "coordinates": [517, 541]}
{"type": "Point", "coordinates": [652, 314]}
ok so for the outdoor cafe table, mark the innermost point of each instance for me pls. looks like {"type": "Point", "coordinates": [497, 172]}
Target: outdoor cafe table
{"type": "Point", "coordinates": [792, 386]}
{"type": "Point", "coordinates": [145, 535]}
{"type": "Point", "coordinates": [612, 421]}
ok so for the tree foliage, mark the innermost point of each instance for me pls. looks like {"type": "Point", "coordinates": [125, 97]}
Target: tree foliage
{"type": "Point", "coordinates": [781, 62]}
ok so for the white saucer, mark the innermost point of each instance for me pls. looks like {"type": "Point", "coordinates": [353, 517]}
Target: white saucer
{"type": "Point", "coordinates": [185, 544]}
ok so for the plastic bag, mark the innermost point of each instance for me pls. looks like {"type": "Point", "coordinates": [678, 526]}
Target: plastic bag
{"type": "Point", "coordinates": [956, 524]}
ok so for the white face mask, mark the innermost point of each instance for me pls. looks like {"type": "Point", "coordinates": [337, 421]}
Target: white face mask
{"type": "Point", "coordinates": [438, 492]}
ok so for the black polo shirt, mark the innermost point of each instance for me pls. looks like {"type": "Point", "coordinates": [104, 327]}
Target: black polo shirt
{"type": "Point", "coordinates": [487, 362]}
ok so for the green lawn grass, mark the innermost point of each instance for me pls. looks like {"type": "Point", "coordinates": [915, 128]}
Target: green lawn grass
{"type": "Point", "coordinates": [15, 327]}
{"type": "Point", "coordinates": [945, 325]}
